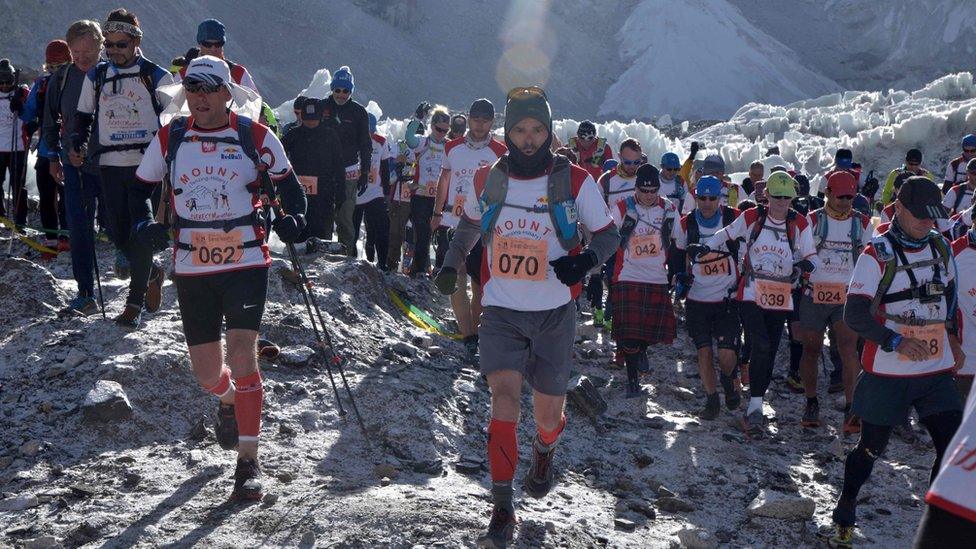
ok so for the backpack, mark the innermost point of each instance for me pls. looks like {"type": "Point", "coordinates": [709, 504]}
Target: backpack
{"type": "Point", "coordinates": [245, 139]}
{"type": "Point", "coordinates": [955, 168]}
{"type": "Point", "coordinates": [597, 158]}
{"type": "Point", "coordinates": [757, 228]}
{"type": "Point", "coordinates": [822, 226]}
{"type": "Point", "coordinates": [960, 195]}
{"type": "Point", "coordinates": [694, 231]}
{"type": "Point", "coordinates": [146, 70]}
{"type": "Point", "coordinates": [941, 255]}
{"type": "Point", "coordinates": [633, 217]}
{"type": "Point", "coordinates": [561, 204]}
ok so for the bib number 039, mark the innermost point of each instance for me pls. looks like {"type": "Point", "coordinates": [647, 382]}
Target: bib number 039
{"type": "Point", "coordinates": [773, 295]}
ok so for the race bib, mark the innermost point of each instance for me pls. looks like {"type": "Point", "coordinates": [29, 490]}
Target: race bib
{"type": "Point", "coordinates": [431, 189]}
{"type": "Point", "coordinates": [311, 184]}
{"type": "Point", "coordinates": [932, 335]}
{"type": "Point", "coordinates": [829, 293]}
{"type": "Point", "coordinates": [519, 258]}
{"type": "Point", "coordinates": [773, 295]}
{"type": "Point", "coordinates": [217, 248]}
{"type": "Point", "coordinates": [405, 192]}
{"type": "Point", "coordinates": [714, 264]}
{"type": "Point", "coordinates": [458, 208]}
{"type": "Point", "coordinates": [645, 245]}
{"type": "Point", "coordinates": [352, 172]}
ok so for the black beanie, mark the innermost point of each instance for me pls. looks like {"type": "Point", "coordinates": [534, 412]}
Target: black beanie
{"type": "Point", "coordinates": [525, 106]}
{"type": "Point", "coordinates": [7, 71]}
{"type": "Point", "coordinates": [525, 103]}
{"type": "Point", "coordinates": [648, 176]}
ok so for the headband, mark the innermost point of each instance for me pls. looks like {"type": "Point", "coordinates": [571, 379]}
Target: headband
{"type": "Point", "coordinates": [122, 26]}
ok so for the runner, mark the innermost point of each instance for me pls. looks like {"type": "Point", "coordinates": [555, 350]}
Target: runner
{"type": "Point", "coordinates": [706, 284]}
{"type": "Point", "coordinates": [536, 264]}
{"type": "Point", "coordinates": [462, 157]}
{"type": "Point", "coordinates": [840, 233]}
{"type": "Point", "coordinates": [913, 166]}
{"type": "Point", "coordinates": [901, 302]}
{"type": "Point", "coordinates": [118, 109]}
{"type": "Point", "coordinates": [750, 185]}
{"type": "Point", "coordinates": [619, 183]}
{"type": "Point", "coordinates": [399, 199]}
{"type": "Point", "coordinates": [644, 315]}
{"type": "Point", "coordinates": [82, 187]}
{"type": "Point", "coordinates": [218, 152]}
{"type": "Point", "coordinates": [351, 122]}
{"type": "Point", "coordinates": [371, 201]}
{"type": "Point", "coordinates": [429, 153]}
{"type": "Point", "coordinates": [964, 251]}
{"type": "Point", "coordinates": [957, 167]}
{"type": "Point", "coordinates": [714, 165]}
{"type": "Point", "coordinates": [591, 151]}
{"type": "Point", "coordinates": [316, 156]}
{"type": "Point", "coordinates": [211, 38]}
{"type": "Point", "coordinates": [13, 141]}
{"type": "Point", "coordinates": [779, 243]}
{"type": "Point", "coordinates": [459, 125]}
{"type": "Point", "coordinates": [960, 197]}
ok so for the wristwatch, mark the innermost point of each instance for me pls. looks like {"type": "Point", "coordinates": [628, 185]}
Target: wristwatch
{"type": "Point", "coordinates": [891, 343]}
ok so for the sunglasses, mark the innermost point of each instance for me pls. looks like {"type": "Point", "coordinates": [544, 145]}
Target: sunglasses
{"type": "Point", "coordinates": [586, 135]}
{"type": "Point", "coordinates": [781, 197]}
{"type": "Point", "coordinates": [637, 162]}
{"type": "Point", "coordinates": [969, 151]}
{"type": "Point", "coordinates": [523, 92]}
{"type": "Point", "coordinates": [846, 197]}
{"type": "Point", "coordinates": [342, 91]}
{"type": "Point", "coordinates": [117, 45]}
{"type": "Point", "coordinates": [439, 129]}
{"type": "Point", "coordinates": [707, 198]}
{"type": "Point", "coordinates": [197, 87]}
{"type": "Point", "coordinates": [211, 44]}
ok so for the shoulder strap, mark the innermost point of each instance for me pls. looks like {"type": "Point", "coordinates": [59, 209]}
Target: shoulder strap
{"type": "Point", "coordinates": [692, 230]}
{"type": "Point", "coordinates": [492, 196]}
{"type": "Point", "coordinates": [562, 203]}
{"type": "Point", "coordinates": [960, 194]}
{"type": "Point", "coordinates": [790, 227]}
{"type": "Point", "coordinates": [728, 217]}
{"type": "Point", "coordinates": [821, 229]}
{"type": "Point", "coordinates": [177, 130]}
{"type": "Point", "coordinates": [246, 137]}
{"type": "Point", "coordinates": [146, 70]}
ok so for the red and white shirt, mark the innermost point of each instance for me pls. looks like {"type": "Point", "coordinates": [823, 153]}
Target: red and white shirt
{"type": "Point", "coordinates": [430, 159]}
{"type": "Point", "coordinates": [462, 158]}
{"type": "Point", "coordinates": [950, 198]}
{"type": "Point", "coordinates": [864, 282]}
{"type": "Point", "coordinates": [617, 185]}
{"type": "Point", "coordinates": [515, 270]}
{"type": "Point", "coordinates": [714, 274]}
{"type": "Point", "coordinates": [966, 292]}
{"type": "Point", "coordinates": [646, 256]}
{"type": "Point", "coordinates": [835, 256]}
{"type": "Point", "coordinates": [956, 170]}
{"type": "Point", "coordinates": [209, 183]}
{"type": "Point", "coordinates": [953, 487]}
{"type": "Point", "coordinates": [770, 257]}
{"type": "Point", "coordinates": [374, 187]}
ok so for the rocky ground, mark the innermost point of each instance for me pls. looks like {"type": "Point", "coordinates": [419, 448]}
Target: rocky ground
{"type": "Point", "coordinates": [106, 440]}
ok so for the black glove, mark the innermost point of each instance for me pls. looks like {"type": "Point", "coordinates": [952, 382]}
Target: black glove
{"type": "Point", "coordinates": [422, 111]}
{"type": "Point", "coordinates": [801, 268]}
{"type": "Point", "coordinates": [571, 269]}
{"type": "Point", "coordinates": [152, 235]}
{"type": "Point", "coordinates": [694, 149]}
{"type": "Point", "coordinates": [683, 282]}
{"type": "Point", "coordinates": [16, 103]}
{"type": "Point", "coordinates": [288, 228]}
{"type": "Point", "coordinates": [698, 250]}
{"type": "Point", "coordinates": [870, 187]}
{"type": "Point", "coordinates": [446, 280]}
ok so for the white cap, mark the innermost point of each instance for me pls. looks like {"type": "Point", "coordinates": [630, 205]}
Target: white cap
{"type": "Point", "coordinates": [208, 68]}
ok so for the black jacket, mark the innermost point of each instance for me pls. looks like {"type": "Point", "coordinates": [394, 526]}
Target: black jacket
{"type": "Point", "coordinates": [352, 124]}
{"type": "Point", "coordinates": [317, 151]}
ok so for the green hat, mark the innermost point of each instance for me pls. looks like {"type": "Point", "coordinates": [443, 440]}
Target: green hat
{"type": "Point", "coordinates": [527, 102]}
{"type": "Point", "coordinates": [780, 184]}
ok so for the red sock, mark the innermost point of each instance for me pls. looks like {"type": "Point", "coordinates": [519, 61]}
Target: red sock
{"type": "Point", "coordinates": [247, 406]}
{"type": "Point", "coordinates": [550, 437]}
{"type": "Point", "coordinates": [502, 450]}
{"type": "Point", "coordinates": [223, 384]}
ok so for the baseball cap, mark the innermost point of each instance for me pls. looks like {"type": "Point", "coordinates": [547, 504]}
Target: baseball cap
{"type": "Point", "coordinates": [780, 184]}
{"type": "Point", "coordinates": [844, 158]}
{"type": "Point", "coordinates": [713, 164]}
{"type": "Point", "coordinates": [842, 183]}
{"type": "Point", "coordinates": [208, 69]}
{"type": "Point", "coordinates": [483, 108]}
{"type": "Point", "coordinates": [311, 110]}
{"type": "Point", "coordinates": [670, 160]}
{"type": "Point", "coordinates": [708, 186]}
{"type": "Point", "coordinates": [923, 198]}
{"type": "Point", "coordinates": [648, 177]}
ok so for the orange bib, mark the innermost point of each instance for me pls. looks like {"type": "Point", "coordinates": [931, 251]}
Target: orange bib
{"type": "Point", "coordinates": [218, 248]}
{"type": "Point", "coordinates": [773, 295]}
{"type": "Point", "coordinates": [519, 258]}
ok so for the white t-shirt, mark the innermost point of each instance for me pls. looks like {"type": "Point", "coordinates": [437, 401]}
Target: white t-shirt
{"type": "Point", "coordinates": [867, 275]}
{"type": "Point", "coordinates": [210, 184]}
{"type": "Point", "coordinates": [374, 186]}
{"type": "Point", "coordinates": [953, 487]}
{"type": "Point", "coordinates": [515, 269]}
{"type": "Point", "coordinates": [462, 160]}
{"type": "Point", "coordinates": [950, 199]}
{"type": "Point", "coordinates": [714, 274]}
{"type": "Point", "coordinates": [770, 257]}
{"type": "Point", "coordinates": [835, 258]}
{"type": "Point", "coordinates": [7, 121]}
{"type": "Point", "coordinates": [966, 318]}
{"type": "Point", "coordinates": [619, 185]}
{"type": "Point", "coordinates": [430, 159]}
{"type": "Point", "coordinates": [646, 256]}
{"type": "Point", "coordinates": [125, 112]}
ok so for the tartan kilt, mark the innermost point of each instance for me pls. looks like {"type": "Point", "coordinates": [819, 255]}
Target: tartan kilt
{"type": "Point", "coordinates": [643, 311]}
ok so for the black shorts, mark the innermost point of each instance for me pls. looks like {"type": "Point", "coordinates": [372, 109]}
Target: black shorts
{"type": "Point", "coordinates": [235, 297]}
{"type": "Point", "coordinates": [708, 321]}
{"type": "Point", "coordinates": [472, 263]}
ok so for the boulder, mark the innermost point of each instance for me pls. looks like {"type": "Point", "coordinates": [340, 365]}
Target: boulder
{"type": "Point", "coordinates": [106, 402]}
{"type": "Point", "coordinates": [778, 505]}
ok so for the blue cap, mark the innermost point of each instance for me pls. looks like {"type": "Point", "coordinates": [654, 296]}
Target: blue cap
{"type": "Point", "coordinates": [343, 79]}
{"type": "Point", "coordinates": [372, 122]}
{"type": "Point", "coordinates": [609, 164]}
{"type": "Point", "coordinates": [969, 141]}
{"type": "Point", "coordinates": [211, 30]}
{"type": "Point", "coordinates": [670, 160]}
{"type": "Point", "coordinates": [708, 186]}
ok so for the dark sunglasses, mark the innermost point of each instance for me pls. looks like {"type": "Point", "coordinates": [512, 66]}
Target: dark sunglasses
{"type": "Point", "coordinates": [586, 135]}
{"type": "Point", "coordinates": [209, 44]}
{"type": "Point", "coordinates": [117, 45]}
{"type": "Point", "coordinates": [197, 87]}
{"type": "Point", "coordinates": [969, 150]}
{"type": "Point", "coordinates": [342, 91]}
{"type": "Point", "coordinates": [439, 129]}
{"type": "Point", "coordinates": [637, 162]}
{"type": "Point", "coordinates": [707, 198]}
{"type": "Point", "coordinates": [846, 197]}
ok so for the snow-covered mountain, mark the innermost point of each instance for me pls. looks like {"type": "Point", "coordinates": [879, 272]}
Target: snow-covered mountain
{"type": "Point", "coordinates": [628, 59]}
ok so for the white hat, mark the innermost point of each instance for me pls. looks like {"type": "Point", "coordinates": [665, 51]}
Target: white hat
{"type": "Point", "coordinates": [208, 68]}
{"type": "Point", "coordinates": [212, 70]}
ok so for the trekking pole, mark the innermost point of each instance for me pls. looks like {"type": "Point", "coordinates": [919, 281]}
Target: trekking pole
{"type": "Point", "coordinates": [14, 198]}
{"type": "Point", "coordinates": [322, 336]}
{"type": "Point", "coordinates": [84, 206]}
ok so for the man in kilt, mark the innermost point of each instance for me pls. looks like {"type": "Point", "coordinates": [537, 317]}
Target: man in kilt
{"type": "Point", "coordinates": [643, 314]}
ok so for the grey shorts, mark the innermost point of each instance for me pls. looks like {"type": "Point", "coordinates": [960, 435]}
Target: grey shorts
{"type": "Point", "coordinates": [817, 317]}
{"type": "Point", "coordinates": [536, 344]}
{"type": "Point", "coordinates": [884, 400]}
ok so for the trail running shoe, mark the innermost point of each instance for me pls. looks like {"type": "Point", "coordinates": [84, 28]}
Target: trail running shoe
{"type": "Point", "coordinates": [84, 306]}
{"type": "Point", "coordinates": [154, 290]}
{"type": "Point", "coordinates": [122, 270]}
{"type": "Point", "coordinates": [844, 516]}
{"type": "Point", "coordinates": [732, 396]}
{"type": "Point", "coordinates": [711, 409]}
{"type": "Point", "coordinates": [794, 383]}
{"type": "Point", "coordinates": [754, 424]}
{"type": "Point", "coordinates": [501, 529]}
{"type": "Point", "coordinates": [268, 350]}
{"type": "Point", "coordinates": [634, 389]}
{"type": "Point", "coordinates": [538, 481]}
{"type": "Point", "coordinates": [226, 428]}
{"type": "Point", "coordinates": [130, 316]}
{"type": "Point", "coordinates": [811, 414]}
{"type": "Point", "coordinates": [843, 537]}
{"type": "Point", "coordinates": [247, 487]}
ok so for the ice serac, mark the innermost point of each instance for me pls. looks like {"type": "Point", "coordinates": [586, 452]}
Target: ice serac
{"type": "Point", "coordinates": [698, 59]}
